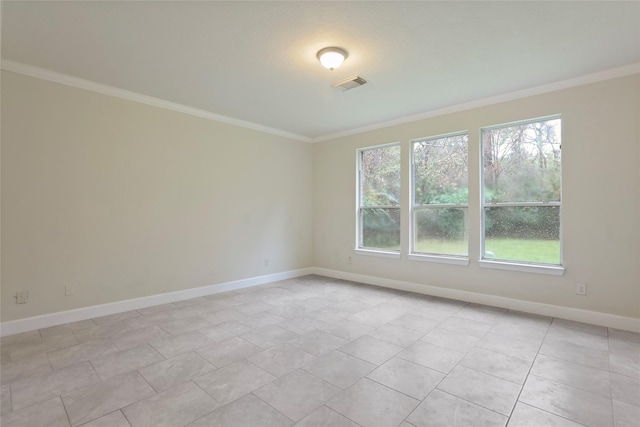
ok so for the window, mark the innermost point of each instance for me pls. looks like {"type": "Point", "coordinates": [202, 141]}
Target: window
{"type": "Point", "coordinates": [379, 198]}
{"type": "Point", "coordinates": [440, 195]}
{"type": "Point", "coordinates": [522, 192]}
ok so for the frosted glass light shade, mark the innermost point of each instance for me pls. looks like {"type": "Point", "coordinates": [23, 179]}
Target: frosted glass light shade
{"type": "Point", "coordinates": [332, 57]}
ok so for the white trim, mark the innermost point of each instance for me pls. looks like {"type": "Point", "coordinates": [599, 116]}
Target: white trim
{"type": "Point", "coordinates": [442, 259]}
{"type": "Point", "coordinates": [65, 79]}
{"type": "Point", "coordinates": [553, 270]}
{"type": "Point", "coordinates": [576, 314]}
{"type": "Point", "coordinates": [41, 73]}
{"type": "Point", "coordinates": [440, 136]}
{"type": "Point", "coordinates": [379, 253]}
{"type": "Point", "coordinates": [538, 90]}
{"type": "Point", "coordinates": [500, 264]}
{"type": "Point", "coordinates": [414, 208]}
{"type": "Point", "coordinates": [53, 319]}
{"type": "Point", "coordinates": [359, 208]}
{"type": "Point", "coordinates": [587, 316]}
{"type": "Point", "coordinates": [524, 122]}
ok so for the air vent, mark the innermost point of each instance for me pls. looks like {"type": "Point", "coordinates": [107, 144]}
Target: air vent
{"type": "Point", "coordinates": [350, 83]}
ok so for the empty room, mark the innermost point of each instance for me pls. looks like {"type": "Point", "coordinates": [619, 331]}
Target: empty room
{"type": "Point", "coordinates": [339, 214]}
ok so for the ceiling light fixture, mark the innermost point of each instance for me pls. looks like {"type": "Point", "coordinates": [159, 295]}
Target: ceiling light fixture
{"type": "Point", "coordinates": [332, 57]}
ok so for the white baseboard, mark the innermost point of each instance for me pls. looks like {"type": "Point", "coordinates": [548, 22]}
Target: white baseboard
{"type": "Point", "coordinates": [576, 314]}
{"type": "Point", "coordinates": [53, 319]}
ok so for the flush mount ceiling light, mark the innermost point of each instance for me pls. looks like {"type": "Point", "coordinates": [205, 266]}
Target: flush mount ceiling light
{"type": "Point", "coordinates": [332, 57]}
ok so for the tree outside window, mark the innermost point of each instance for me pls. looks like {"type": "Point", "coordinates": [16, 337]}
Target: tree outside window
{"type": "Point", "coordinates": [522, 192]}
{"type": "Point", "coordinates": [379, 198]}
{"type": "Point", "coordinates": [440, 195]}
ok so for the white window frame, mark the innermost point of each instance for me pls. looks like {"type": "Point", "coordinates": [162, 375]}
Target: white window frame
{"type": "Point", "coordinates": [359, 248]}
{"type": "Point", "coordinates": [414, 208]}
{"type": "Point", "coordinates": [512, 265]}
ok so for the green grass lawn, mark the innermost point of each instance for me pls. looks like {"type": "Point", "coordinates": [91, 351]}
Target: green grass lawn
{"type": "Point", "coordinates": [437, 246]}
{"type": "Point", "coordinates": [543, 251]}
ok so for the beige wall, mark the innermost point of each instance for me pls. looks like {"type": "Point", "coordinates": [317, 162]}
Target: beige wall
{"type": "Point", "coordinates": [122, 200]}
{"type": "Point", "coordinates": [601, 200]}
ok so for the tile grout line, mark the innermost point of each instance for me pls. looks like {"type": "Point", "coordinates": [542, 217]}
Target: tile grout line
{"type": "Point", "coordinates": [311, 313]}
{"type": "Point", "coordinates": [466, 400]}
{"type": "Point", "coordinates": [205, 392]}
{"type": "Point", "coordinates": [65, 410]}
{"type": "Point", "coordinates": [529, 371]}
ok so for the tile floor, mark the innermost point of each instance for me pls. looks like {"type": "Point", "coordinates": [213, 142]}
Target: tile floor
{"type": "Point", "coordinates": [314, 351]}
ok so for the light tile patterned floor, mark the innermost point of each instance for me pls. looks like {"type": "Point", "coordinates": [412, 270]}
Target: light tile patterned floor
{"type": "Point", "coordinates": [314, 351]}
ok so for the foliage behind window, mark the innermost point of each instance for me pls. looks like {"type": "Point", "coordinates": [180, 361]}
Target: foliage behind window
{"type": "Point", "coordinates": [379, 211]}
{"type": "Point", "coordinates": [522, 190]}
{"type": "Point", "coordinates": [441, 195]}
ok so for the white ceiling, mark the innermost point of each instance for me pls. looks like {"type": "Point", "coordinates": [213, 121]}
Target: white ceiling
{"type": "Point", "coordinates": [256, 61]}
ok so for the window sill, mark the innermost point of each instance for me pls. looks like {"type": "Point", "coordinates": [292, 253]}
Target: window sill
{"type": "Point", "coordinates": [378, 253]}
{"type": "Point", "coordinates": [552, 270]}
{"type": "Point", "coordinates": [442, 259]}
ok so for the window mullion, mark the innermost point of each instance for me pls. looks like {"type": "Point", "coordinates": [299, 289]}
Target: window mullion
{"type": "Point", "coordinates": [440, 176]}
{"type": "Point", "coordinates": [521, 161]}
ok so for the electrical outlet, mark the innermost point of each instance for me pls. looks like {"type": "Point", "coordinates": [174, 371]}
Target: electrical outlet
{"type": "Point", "coordinates": [581, 289]}
{"type": "Point", "coordinates": [266, 262]}
{"type": "Point", "coordinates": [69, 290]}
{"type": "Point", "coordinates": [350, 260]}
{"type": "Point", "coordinates": [22, 297]}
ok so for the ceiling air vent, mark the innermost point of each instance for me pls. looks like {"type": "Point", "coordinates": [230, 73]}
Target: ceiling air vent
{"type": "Point", "coordinates": [350, 83]}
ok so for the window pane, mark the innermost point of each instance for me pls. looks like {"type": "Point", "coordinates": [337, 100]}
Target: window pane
{"type": "Point", "coordinates": [441, 170]}
{"type": "Point", "coordinates": [441, 231]}
{"type": "Point", "coordinates": [522, 163]}
{"type": "Point", "coordinates": [529, 234]}
{"type": "Point", "coordinates": [381, 228]}
{"type": "Point", "coordinates": [380, 179]}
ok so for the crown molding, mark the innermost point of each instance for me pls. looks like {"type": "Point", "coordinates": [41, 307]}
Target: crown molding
{"type": "Point", "coordinates": [65, 79]}
{"type": "Point", "coordinates": [552, 87]}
